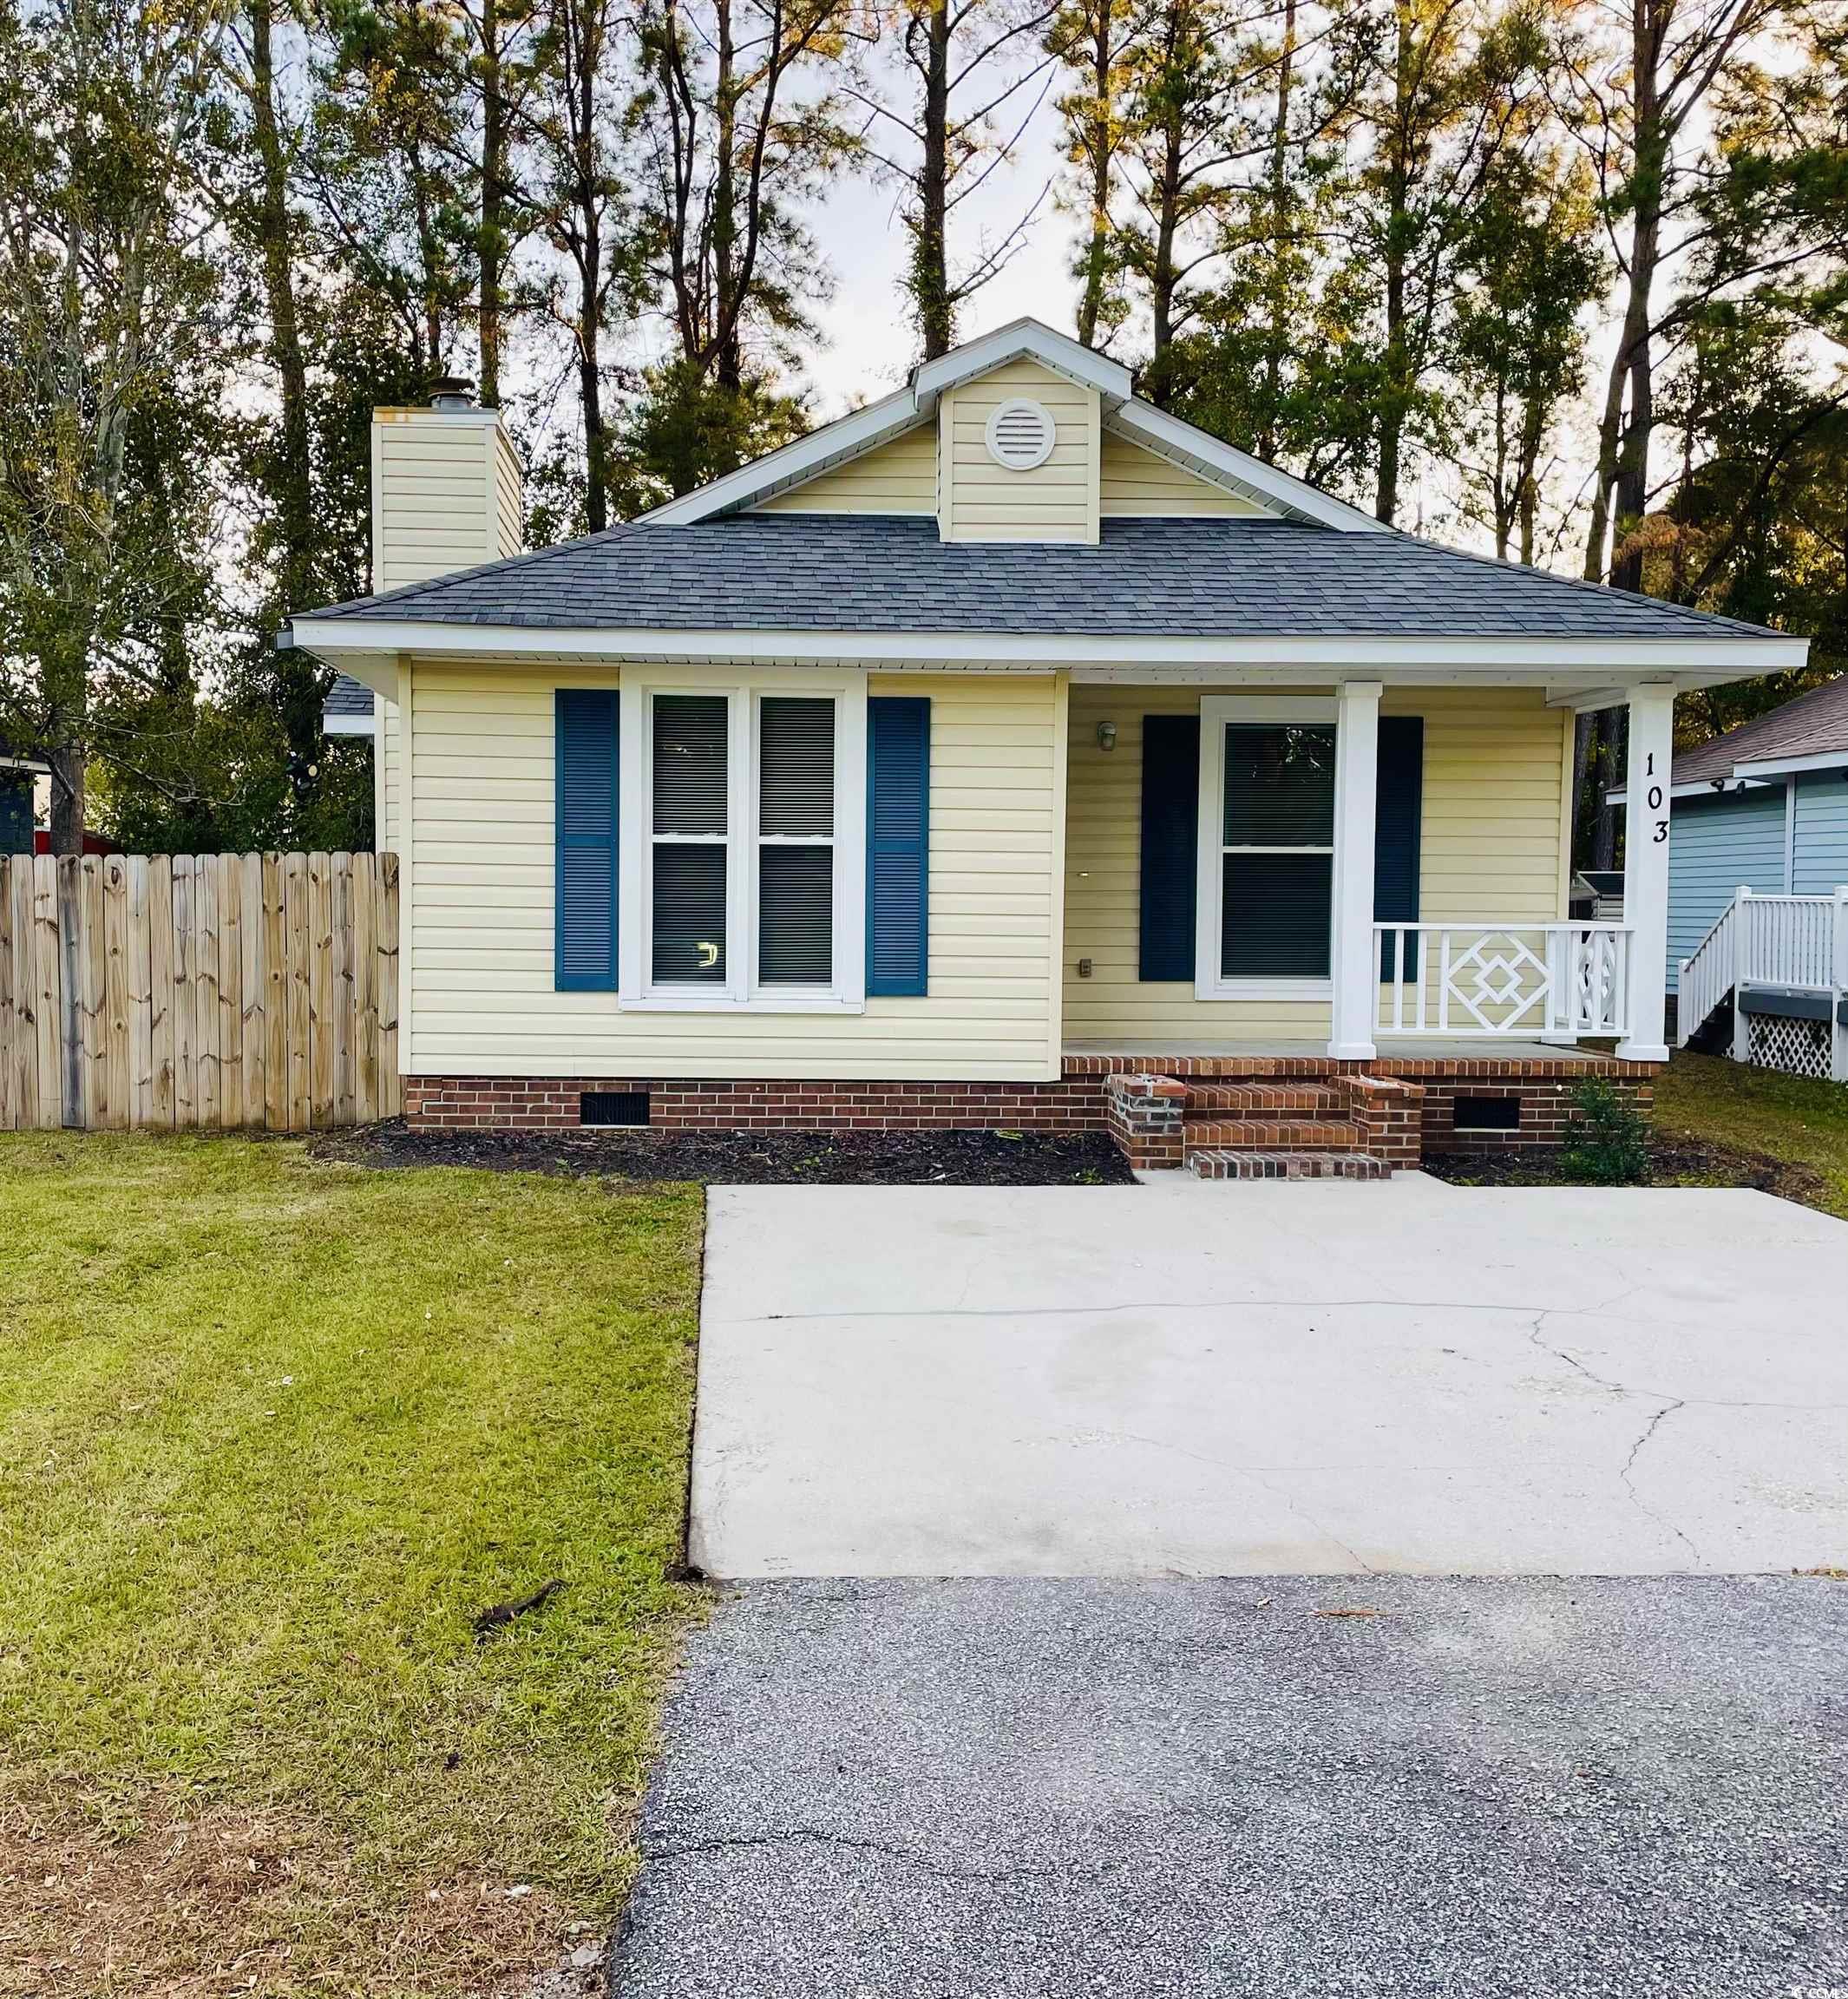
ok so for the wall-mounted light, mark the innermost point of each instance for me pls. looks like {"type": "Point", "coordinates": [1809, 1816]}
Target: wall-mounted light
{"type": "Point", "coordinates": [1106, 735]}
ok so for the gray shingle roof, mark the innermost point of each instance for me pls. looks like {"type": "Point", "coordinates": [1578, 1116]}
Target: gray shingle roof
{"type": "Point", "coordinates": [1814, 724]}
{"type": "Point", "coordinates": [347, 696]}
{"type": "Point", "coordinates": [1232, 579]}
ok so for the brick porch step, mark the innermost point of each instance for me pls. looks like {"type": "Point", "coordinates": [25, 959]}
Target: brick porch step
{"type": "Point", "coordinates": [1268, 1099]}
{"type": "Point", "coordinates": [1217, 1163]}
{"type": "Point", "coordinates": [1299, 1134]}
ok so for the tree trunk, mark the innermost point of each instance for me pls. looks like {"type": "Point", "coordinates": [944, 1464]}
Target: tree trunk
{"type": "Point", "coordinates": [930, 280]}
{"type": "Point", "coordinates": [590, 282]}
{"type": "Point", "coordinates": [728, 369]}
{"type": "Point", "coordinates": [1613, 734]}
{"type": "Point", "coordinates": [1505, 498]}
{"type": "Point", "coordinates": [1163, 279]}
{"type": "Point", "coordinates": [1395, 399]}
{"type": "Point", "coordinates": [66, 799]}
{"type": "Point", "coordinates": [1585, 728]}
{"type": "Point", "coordinates": [297, 679]}
{"type": "Point", "coordinates": [1623, 449]}
{"type": "Point", "coordinates": [493, 238]}
{"type": "Point", "coordinates": [1098, 147]}
{"type": "Point", "coordinates": [1277, 330]}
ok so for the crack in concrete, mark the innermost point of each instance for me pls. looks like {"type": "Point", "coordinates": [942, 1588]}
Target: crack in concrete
{"type": "Point", "coordinates": [1670, 1404]}
{"type": "Point", "coordinates": [1629, 1486]}
{"type": "Point", "coordinates": [815, 1836]}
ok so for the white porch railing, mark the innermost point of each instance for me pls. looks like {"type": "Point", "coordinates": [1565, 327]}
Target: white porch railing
{"type": "Point", "coordinates": [1556, 981]}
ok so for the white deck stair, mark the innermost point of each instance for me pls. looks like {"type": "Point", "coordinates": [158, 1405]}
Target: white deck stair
{"type": "Point", "coordinates": [1772, 974]}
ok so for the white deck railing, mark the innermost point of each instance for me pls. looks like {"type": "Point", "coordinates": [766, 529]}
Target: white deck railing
{"type": "Point", "coordinates": [1557, 980]}
{"type": "Point", "coordinates": [1798, 943]}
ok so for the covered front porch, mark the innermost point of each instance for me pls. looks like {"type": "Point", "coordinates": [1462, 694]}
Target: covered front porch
{"type": "Point", "coordinates": [1374, 870]}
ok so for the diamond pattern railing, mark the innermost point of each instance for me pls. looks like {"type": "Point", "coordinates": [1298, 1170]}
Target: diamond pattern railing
{"type": "Point", "coordinates": [1559, 981]}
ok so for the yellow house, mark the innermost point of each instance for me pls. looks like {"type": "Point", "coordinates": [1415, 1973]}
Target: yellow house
{"type": "Point", "coordinates": [1005, 753]}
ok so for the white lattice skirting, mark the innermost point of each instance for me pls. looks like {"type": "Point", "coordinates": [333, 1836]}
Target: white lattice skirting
{"type": "Point", "coordinates": [1798, 1047]}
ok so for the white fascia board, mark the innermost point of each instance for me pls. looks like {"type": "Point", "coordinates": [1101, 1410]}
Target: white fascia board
{"type": "Point", "coordinates": [1195, 451]}
{"type": "Point", "coordinates": [845, 438]}
{"type": "Point", "coordinates": [1782, 766]}
{"type": "Point", "coordinates": [348, 725]}
{"type": "Point", "coordinates": [1022, 338]}
{"type": "Point", "coordinates": [1106, 656]}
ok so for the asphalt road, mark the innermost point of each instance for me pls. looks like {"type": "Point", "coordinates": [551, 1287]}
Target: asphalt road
{"type": "Point", "coordinates": [997, 1789]}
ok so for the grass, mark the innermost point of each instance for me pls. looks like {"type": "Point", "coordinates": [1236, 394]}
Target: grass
{"type": "Point", "coordinates": [1730, 1105]}
{"type": "Point", "coordinates": [271, 1433]}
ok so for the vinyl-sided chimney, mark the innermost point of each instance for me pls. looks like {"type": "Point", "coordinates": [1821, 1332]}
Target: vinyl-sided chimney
{"type": "Point", "coordinates": [446, 489]}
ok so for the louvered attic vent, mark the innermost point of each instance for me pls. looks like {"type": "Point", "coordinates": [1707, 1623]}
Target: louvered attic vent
{"type": "Point", "coordinates": [1020, 435]}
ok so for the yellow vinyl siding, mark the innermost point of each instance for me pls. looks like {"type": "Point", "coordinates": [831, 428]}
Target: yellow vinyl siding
{"type": "Point", "coordinates": [388, 801]}
{"type": "Point", "coordinates": [897, 477]}
{"type": "Point", "coordinates": [985, 502]}
{"type": "Point", "coordinates": [1134, 482]}
{"type": "Point", "coordinates": [481, 938]}
{"type": "Point", "coordinates": [1490, 849]}
{"type": "Point", "coordinates": [509, 496]}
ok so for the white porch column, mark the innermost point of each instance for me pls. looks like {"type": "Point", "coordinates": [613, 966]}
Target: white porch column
{"type": "Point", "coordinates": [1355, 977]}
{"type": "Point", "coordinates": [1646, 868]}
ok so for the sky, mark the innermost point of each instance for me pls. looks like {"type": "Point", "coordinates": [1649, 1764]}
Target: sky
{"type": "Point", "coordinates": [868, 342]}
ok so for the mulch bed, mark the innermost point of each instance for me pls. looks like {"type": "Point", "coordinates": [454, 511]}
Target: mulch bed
{"type": "Point", "coordinates": [781, 1158]}
{"type": "Point", "coordinates": [1675, 1160]}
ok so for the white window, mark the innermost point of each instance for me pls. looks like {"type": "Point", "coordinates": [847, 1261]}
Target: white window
{"type": "Point", "coordinates": [1264, 922]}
{"type": "Point", "coordinates": [743, 823]}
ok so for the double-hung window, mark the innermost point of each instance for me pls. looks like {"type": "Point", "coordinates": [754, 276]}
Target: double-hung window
{"type": "Point", "coordinates": [1267, 847]}
{"type": "Point", "coordinates": [747, 852]}
{"type": "Point", "coordinates": [690, 838]}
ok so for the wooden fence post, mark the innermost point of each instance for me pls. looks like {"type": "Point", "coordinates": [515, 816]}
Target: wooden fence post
{"type": "Point", "coordinates": [24, 1057]}
{"type": "Point", "coordinates": [115, 1023]}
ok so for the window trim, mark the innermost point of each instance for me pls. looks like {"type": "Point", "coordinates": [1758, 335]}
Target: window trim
{"type": "Point", "coordinates": [1216, 711]}
{"type": "Point", "coordinates": [744, 693]}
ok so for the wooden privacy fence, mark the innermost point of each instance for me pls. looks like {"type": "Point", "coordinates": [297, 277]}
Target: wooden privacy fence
{"type": "Point", "coordinates": [210, 991]}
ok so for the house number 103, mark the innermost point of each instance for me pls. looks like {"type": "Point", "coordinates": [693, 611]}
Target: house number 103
{"type": "Point", "coordinates": [1655, 800]}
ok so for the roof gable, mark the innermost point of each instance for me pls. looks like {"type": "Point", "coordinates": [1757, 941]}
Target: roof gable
{"type": "Point", "coordinates": [851, 438]}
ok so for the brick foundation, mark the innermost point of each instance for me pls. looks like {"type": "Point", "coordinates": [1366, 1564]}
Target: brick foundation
{"type": "Point", "coordinates": [676, 1104]}
{"type": "Point", "coordinates": [1407, 1106]}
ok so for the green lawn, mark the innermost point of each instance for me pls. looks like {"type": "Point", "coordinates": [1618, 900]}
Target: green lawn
{"type": "Point", "coordinates": [271, 1433]}
{"type": "Point", "coordinates": [1735, 1107]}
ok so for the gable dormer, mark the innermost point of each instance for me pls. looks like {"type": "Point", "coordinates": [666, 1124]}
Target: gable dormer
{"type": "Point", "coordinates": [1022, 435]}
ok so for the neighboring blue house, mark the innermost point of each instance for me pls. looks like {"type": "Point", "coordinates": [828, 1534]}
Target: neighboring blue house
{"type": "Point", "coordinates": [17, 775]}
{"type": "Point", "coordinates": [1763, 807]}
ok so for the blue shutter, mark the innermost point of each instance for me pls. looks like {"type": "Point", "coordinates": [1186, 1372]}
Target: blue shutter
{"type": "Point", "coordinates": [1397, 822]}
{"type": "Point", "coordinates": [897, 846]}
{"type": "Point", "coordinates": [584, 893]}
{"type": "Point", "coordinates": [1170, 845]}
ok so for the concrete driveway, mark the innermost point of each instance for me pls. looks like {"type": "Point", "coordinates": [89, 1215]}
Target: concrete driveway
{"type": "Point", "coordinates": [1197, 1379]}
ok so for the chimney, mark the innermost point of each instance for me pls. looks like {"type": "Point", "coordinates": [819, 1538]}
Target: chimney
{"type": "Point", "coordinates": [446, 487]}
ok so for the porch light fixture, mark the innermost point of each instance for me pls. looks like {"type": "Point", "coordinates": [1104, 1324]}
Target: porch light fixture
{"type": "Point", "coordinates": [1106, 735]}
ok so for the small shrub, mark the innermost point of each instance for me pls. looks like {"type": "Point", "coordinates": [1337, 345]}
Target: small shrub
{"type": "Point", "coordinates": [1607, 1138]}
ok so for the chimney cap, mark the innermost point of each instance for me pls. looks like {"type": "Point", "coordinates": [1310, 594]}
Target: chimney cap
{"type": "Point", "coordinates": [452, 393]}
